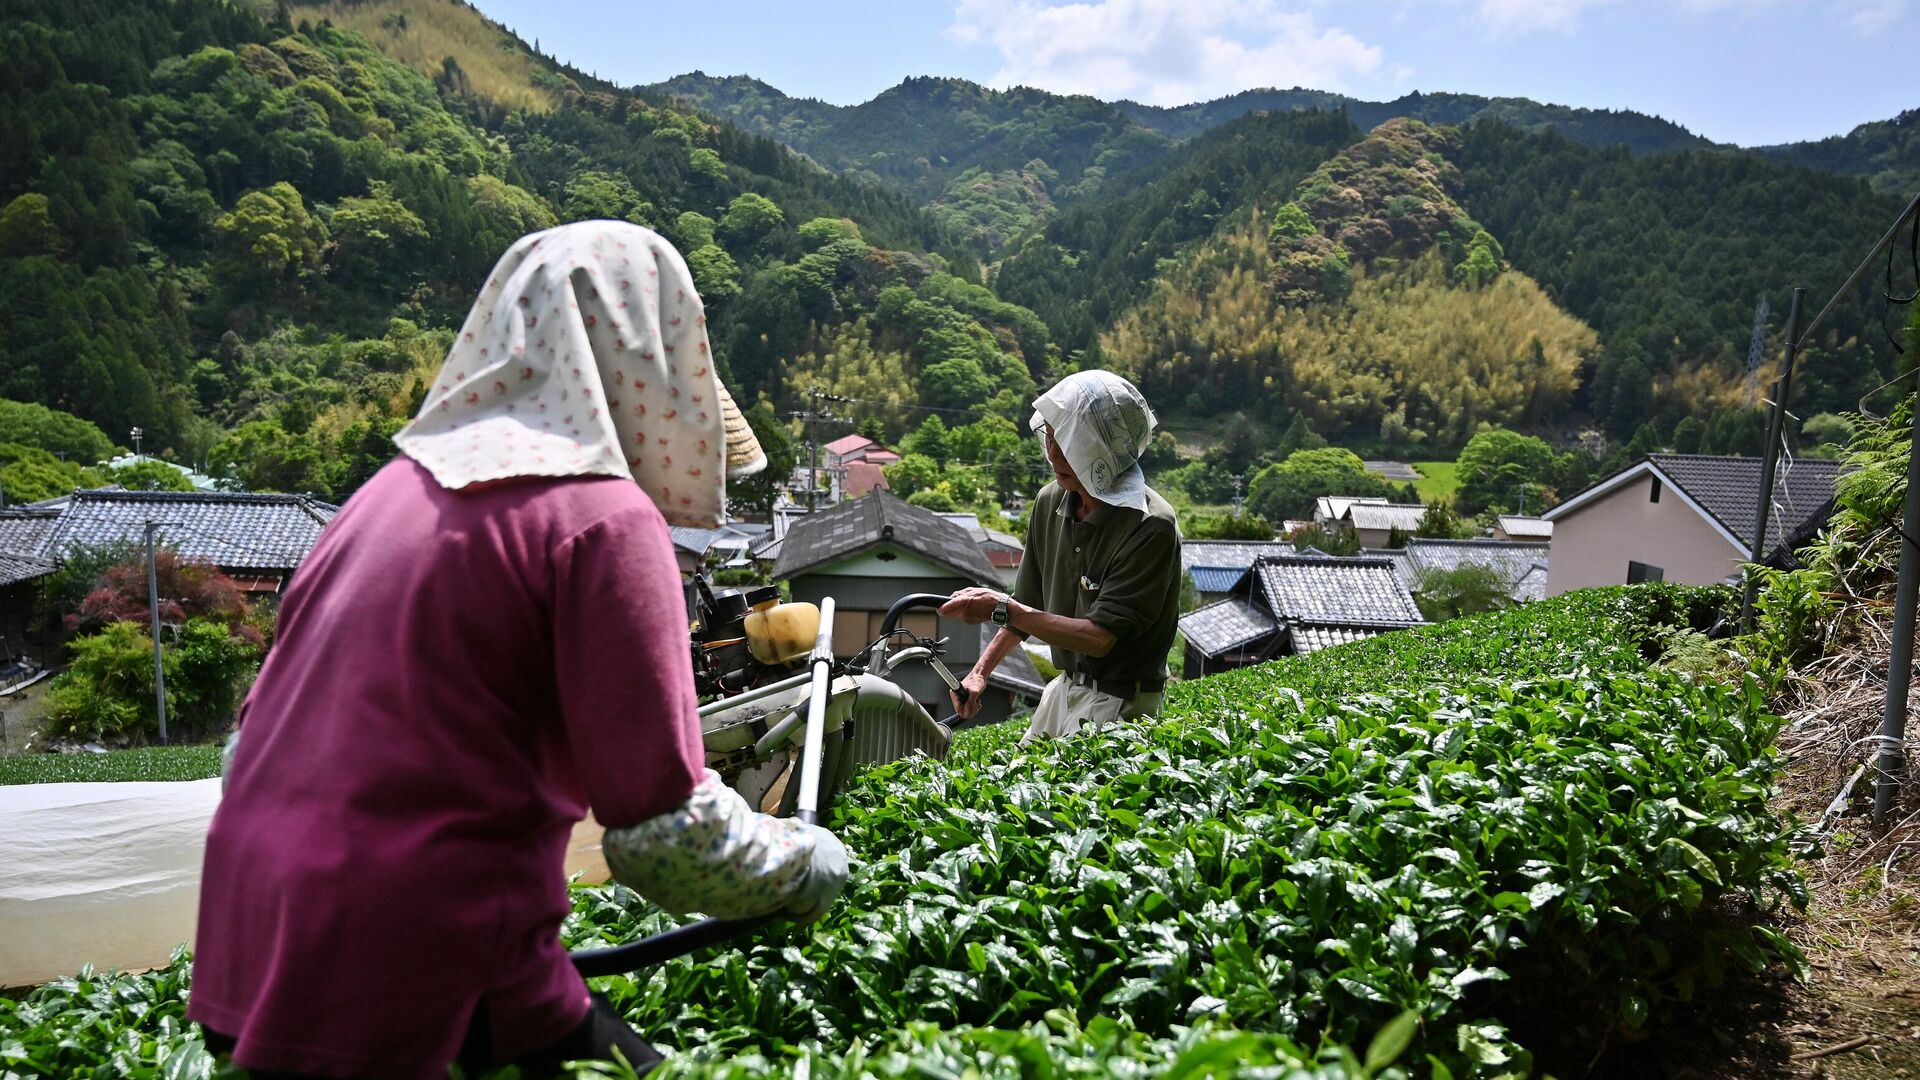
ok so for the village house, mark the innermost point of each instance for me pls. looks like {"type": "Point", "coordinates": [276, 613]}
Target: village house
{"type": "Point", "coordinates": [1292, 605]}
{"type": "Point", "coordinates": [1526, 530]}
{"type": "Point", "coordinates": [1683, 517]}
{"type": "Point", "coordinates": [1214, 566]}
{"type": "Point", "coordinates": [867, 553]}
{"type": "Point", "coordinates": [1521, 567]}
{"type": "Point", "coordinates": [1002, 549]}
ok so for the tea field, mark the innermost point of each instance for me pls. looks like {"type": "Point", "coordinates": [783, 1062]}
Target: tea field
{"type": "Point", "coordinates": [1368, 862]}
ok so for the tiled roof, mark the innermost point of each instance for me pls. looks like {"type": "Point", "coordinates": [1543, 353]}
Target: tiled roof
{"type": "Point", "coordinates": [848, 442]}
{"type": "Point", "coordinates": [1330, 588]}
{"type": "Point", "coordinates": [1729, 489]}
{"type": "Point", "coordinates": [863, 477]}
{"type": "Point", "coordinates": [1215, 579]}
{"type": "Point", "coordinates": [1386, 516]}
{"type": "Point", "coordinates": [1312, 637]}
{"type": "Point", "coordinates": [1334, 507]}
{"type": "Point", "coordinates": [228, 529]}
{"type": "Point", "coordinates": [1532, 585]}
{"type": "Point", "coordinates": [1513, 525]}
{"type": "Point", "coordinates": [1225, 625]}
{"type": "Point", "coordinates": [25, 532]}
{"type": "Point", "coordinates": [17, 568]}
{"type": "Point", "coordinates": [858, 525]}
{"type": "Point", "coordinates": [1511, 559]}
{"type": "Point", "coordinates": [1228, 554]}
{"type": "Point", "coordinates": [697, 541]}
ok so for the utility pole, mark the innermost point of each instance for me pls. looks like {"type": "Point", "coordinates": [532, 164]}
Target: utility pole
{"type": "Point", "coordinates": [812, 416]}
{"type": "Point", "coordinates": [137, 433]}
{"type": "Point", "coordinates": [1238, 479]}
{"type": "Point", "coordinates": [153, 612]}
{"type": "Point", "coordinates": [1770, 460]}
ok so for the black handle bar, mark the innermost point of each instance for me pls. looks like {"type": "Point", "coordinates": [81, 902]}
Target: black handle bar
{"type": "Point", "coordinates": [909, 602]}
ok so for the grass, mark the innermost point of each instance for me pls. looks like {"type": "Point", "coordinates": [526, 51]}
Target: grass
{"type": "Point", "coordinates": [498, 68]}
{"type": "Point", "coordinates": [1438, 479]}
{"type": "Point", "coordinates": [143, 763]}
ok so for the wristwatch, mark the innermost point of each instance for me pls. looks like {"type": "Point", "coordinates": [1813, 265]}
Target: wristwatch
{"type": "Point", "coordinates": [1000, 612]}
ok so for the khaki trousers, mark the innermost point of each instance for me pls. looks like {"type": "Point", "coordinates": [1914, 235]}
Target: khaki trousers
{"type": "Point", "coordinates": [1066, 708]}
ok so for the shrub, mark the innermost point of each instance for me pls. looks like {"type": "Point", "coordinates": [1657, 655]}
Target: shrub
{"type": "Point", "coordinates": [108, 692]}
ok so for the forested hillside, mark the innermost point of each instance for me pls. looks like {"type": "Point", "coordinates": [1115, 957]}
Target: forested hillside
{"type": "Point", "coordinates": [1366, 301]}
{"type": "Point", "coordinates": [1885, 152]}
{"type": "Point", "coordinates": [990, 162]}
{"type": "Point", "coordinates": [1594, 127]}
{"type": "Point", "coordinates": [248, 229]}
{"type": "Point", "coordinates": [249, 235]}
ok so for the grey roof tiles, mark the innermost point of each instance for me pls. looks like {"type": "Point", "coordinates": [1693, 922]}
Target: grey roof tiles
{"type": "Point", "coordinates": [859, 525]}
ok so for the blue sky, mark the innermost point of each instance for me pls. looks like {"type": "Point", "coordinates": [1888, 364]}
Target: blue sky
{"type": "Point", "coordinates": [1742, 71]}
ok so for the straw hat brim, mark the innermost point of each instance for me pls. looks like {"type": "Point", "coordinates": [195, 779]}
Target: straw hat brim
{"type": "Point", "coordinates": [744, 456]}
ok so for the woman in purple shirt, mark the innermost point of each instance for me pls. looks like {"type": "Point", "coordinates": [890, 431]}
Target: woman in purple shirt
{"type": "Point", "coordinates": [488, 641]}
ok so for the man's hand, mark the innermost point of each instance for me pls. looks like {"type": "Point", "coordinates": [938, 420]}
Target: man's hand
{"type": "Point", "coordinates": [974, 684]}
{"type": "Point", "coordinates": [972, 605]}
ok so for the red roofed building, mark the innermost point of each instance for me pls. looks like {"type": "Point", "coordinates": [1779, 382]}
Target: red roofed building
{"type": "Point", "coordinates": [862, 477]}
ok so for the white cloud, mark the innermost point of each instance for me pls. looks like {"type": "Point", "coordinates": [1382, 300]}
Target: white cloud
{"type": "Point", "coordinates": [1514, 18]}
{"type": "Point", "coordinates": [1873, 16]}
{"type": "Point", "coordinates": [1162, 52]}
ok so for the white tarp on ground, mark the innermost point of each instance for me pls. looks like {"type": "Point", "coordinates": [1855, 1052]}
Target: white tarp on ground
{"type": "Point", "coordinates": [109, 874]}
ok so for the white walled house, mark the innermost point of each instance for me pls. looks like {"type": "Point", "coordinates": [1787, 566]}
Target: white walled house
{"type": "Point", "coordinates": [1683, 517]}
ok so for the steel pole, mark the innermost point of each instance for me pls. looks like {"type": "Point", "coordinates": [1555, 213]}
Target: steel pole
{"type": "Point", "coordinates": [1770, 459]}
{"type": "Point", "coordinates": [1891, 760]}
{"type": "Point", "coordinates": [153, 612]}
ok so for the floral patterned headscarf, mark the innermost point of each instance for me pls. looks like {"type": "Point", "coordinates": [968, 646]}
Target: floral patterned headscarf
{"type": "Point", "coordinates": [586, 355]}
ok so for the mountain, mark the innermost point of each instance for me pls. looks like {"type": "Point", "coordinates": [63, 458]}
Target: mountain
{"type": "Point", "coordinates": [1594, 127]}
{"type": "Point", "coordinates": [1886, 153]}
{"type": "Point", "coordinates": [250, 231]}
{"type": "Point", "coordinates": [1663, 255]}
{"type": "Point", "coordinates": [990, 162]}
{"type": "Point", "coordinates": [1363, 299]}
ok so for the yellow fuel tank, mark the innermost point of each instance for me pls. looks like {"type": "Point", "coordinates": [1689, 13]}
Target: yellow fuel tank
{"type": "Point", "coordinates": [782, 633]}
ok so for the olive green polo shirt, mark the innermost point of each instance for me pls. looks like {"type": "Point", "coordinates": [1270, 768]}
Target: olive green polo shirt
{"type": "Point", "coordinates": [1119, 569]}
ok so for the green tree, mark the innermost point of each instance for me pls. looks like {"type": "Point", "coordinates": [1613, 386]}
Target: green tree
{"type": "Point", "coordinates": [264, 456]}
{"type": "Point", "coordinates": [1290, 222]}
{"type": "Point", "coordinates": [911, 474]}
{"type": "Point", "coordinates": [58, 433]}
{"type": "Point", "coordinates": [1465, 590]}
{"type": "Point", "coordinates": [27, 228]}
{"type": "Point", "coordinates": [1288, 489]}
{"type": "Point", "coordinates": [375, 230]}
{"type": "Point", "coordinates": [937, 498]}
{"type": "Point", "coordinates": [1495, 464]}
{"type": "Point", "coordinates": [150, 475]}
{"type": "Point", "coordinates": [270, 235]}
{"type": "Point", "coordinates": [1688, 433]}
{"type": "Point", "coordinates": [594, 195]}
{"type": "Point", "coordinates": [755, 495]}
{"type": "Point", "coordinates": [749, 220]}
{"type": "Point", "coordinates": [715, 274]}
{"type": "Point", "coordinates": [930, 440]}
{"type": "Point", "coordinates": [1440, 522]}
{"type": "Point", "coordinates": [692, 230]}
{"type": "Point", "coordinates": [821, 231]}
{"type": "Point", "coordinates": [1826, 434]}
{"type": "Point", "coordinates": [1483, 261]}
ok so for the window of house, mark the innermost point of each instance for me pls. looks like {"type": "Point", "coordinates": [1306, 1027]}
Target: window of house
{"type": "Point", "coordinates": [1654, 494]}
{"type": "Point", "coordinates": [1638, 572]}
{"type": "Point", "coordinates": [855, 630]}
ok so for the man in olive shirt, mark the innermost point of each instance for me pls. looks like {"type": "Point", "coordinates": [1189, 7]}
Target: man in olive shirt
{"type": "Point", "coordinates": [1101, 579]}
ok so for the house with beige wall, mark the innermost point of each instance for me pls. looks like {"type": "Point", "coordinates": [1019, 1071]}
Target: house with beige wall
{"type": "Point", "coordinates": [1683, 517]}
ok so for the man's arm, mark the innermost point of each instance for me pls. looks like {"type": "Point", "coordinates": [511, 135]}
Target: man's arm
{"type": "Point", "coordinates": [975, 682]}
{"type": "Point", "coordinates": [975, 605]}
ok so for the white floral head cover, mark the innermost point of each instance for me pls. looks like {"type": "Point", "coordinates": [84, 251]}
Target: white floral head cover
{"type": "Point", "coordinates": [1103, 425]}
{"type": "Point", "coordinates": [586, 355]}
